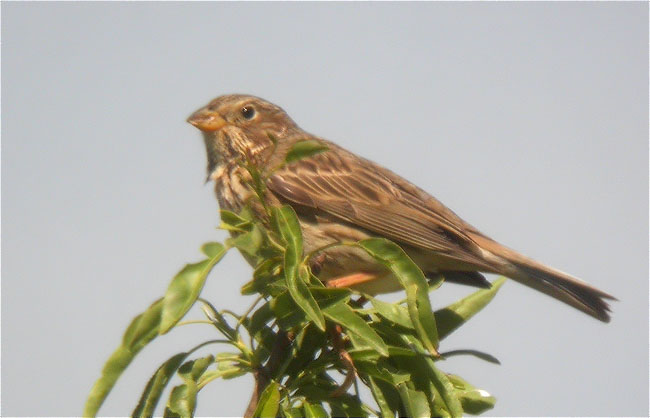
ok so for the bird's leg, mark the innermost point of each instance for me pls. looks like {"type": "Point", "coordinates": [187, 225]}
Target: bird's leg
{"type": "Point", "coordinates": [352, 280]}
{"type": "Point", "coordinates": [351, 375]}
{"type": "Point", "coordinates": [347, 281]}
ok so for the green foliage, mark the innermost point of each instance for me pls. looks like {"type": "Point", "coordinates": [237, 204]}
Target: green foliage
{"type": "Point", "coordinates": [287, 225]}
{"type": "Point", "coordinates": [299, 336]}
{"type": "Point", "coordinates": [413, 281]}
{"type": "Point", "coordinates": [139, 333]}
{"type": "Point", "coordinates": [304, 149]}
{"type": "Point", "coordinates": [269, 401]}
{"type": "Point", "coordinates": [186, 286]}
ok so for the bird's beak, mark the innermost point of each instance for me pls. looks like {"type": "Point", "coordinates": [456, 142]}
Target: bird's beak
{"type": "Point", "coordinates": [207, 120]}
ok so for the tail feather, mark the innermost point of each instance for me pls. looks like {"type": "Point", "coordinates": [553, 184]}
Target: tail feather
{"type": "Point", "coordinates": [554, 283]}
{"type": "Point", "coordinates": [565, 288]}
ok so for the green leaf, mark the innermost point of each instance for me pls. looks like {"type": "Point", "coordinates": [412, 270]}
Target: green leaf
{"type": "Point", "coordinates": [286, 311]}
{"type": "Point", "coordinates": [446, 390]}
{"type": "Point", "coordinates": [344, 315]}
{"type": "Point", "coordinates": [292, 412]}
{"type": "Point", "coordinates": [229, 366]}
{"type": "Point", "coordinates": [289, 228]}
{"type": "Point", "coordinates": [424, 369]}
{"type": "Point", "coordinates": [182, 401]}
{"type": "Point", "coordinates": [269, 401]}
{"type": "Point", "coordinates": [249, 242]}
{"type": "Point", "coordinates": [226, 373]}
{"type": "Point", "coordinates": [371, 355]}
{"type": "Point", "coordinates": [385, 396]}
{"type": "Point", "coordinates": [416, 402]}
{"type": "Point", "coordinates": [393, 312]}
{"type": "Point", "coordinates": [363, 354]}
{"type": "Point", "coordinates": [379, 370]}
{"type": "Point", "coordinates": [304, 149]}
{"type": "Point", "coordinates": [326, 296]}
{"type": "Point", "coordinates": [395, 335]}
{"type": "Point", "coordinates": [347, 406]}
{"type": "Point", "coordinates": [230, 221]}
{"type": "Point", "coordinates": [211, 249]}
{"type": "Point", "coordinates": [265, 339]}
{"type": "Point", "coordinates": [256, 179]}
{"type": "Point", "coordinates": [420, 379]}
{"type": "Point", "coordinates": [414, 283]}
{"type": "Point", "coordinates": [153, 391]}
{"type": "Point", "coordinates": [218, 320]}
{"type": "Point", "coordinates": [438, 405]}
{"type": "Point", "coordinates": [408, 352]}
{"type": "Point", "coordinates": [139, 333]}
{"type": "Point", "coordinates": [265, 273]}
{"type": "Point", "coordinates": [435, 281]}
{"type": "Point", "coordinates": [143, 328]}
{"type": "Point", "coordinates": [475, 401]}
{"type": "Point", "coordinates": [192, 370]}
{"type": "Point", "coordinates": [361, 345]}
{"type": "Point", "coordinates": [113, 368]}
{"type": "Point", "coordinates": [185, 288]}
{"type": "Point", "coordinates": [318, 386]}
{"type": "Point", "coordinates": [308, 341]}
{"type": "Point", "coordinates": [314, 410]}
{"type": "Point", "coordinates": [456, 314]}
{"type": "Point", "coordinates": [259, 319]}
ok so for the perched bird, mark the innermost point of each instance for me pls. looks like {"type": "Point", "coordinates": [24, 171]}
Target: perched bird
{"type": "Point", "coordinates": [339, 196]}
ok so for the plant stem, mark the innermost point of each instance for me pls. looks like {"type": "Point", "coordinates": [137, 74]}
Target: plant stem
{"type": "Point", "coordinates": [264, 374]}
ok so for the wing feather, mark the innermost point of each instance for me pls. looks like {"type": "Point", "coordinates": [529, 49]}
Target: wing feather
{"type": "Point", "coordinates": [374, 198]}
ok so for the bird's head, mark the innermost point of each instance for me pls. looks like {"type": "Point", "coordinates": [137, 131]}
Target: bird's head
{"type": "Point", "coordinates": [237, 125]}
{"type": "Point", "coordinates": [247, 113]}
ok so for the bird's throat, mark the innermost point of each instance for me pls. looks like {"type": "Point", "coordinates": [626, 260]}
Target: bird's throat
{"type": "Point", "coordinates": [212, 150]}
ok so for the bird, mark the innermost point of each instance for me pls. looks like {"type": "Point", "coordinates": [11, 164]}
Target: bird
{"type": "Point", "coordinates": [339, 196]}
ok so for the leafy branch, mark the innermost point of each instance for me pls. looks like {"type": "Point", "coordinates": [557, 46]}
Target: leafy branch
{"type": "Point", "coordinates": [299, 335]}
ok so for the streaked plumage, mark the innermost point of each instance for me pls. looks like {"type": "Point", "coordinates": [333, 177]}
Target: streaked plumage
{"type": "Point", "coordinates": [340, 196]}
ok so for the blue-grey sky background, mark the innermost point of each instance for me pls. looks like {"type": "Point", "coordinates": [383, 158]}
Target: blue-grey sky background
{"type": "Point", "coordinates": [530, 120]}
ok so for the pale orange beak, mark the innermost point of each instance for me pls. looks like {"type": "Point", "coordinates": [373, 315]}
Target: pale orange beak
{"type": "Point", "coordinates": [207, 120]}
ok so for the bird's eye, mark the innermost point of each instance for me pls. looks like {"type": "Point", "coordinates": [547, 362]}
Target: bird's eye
{"type": "Point", "coordinates": [248, 112]}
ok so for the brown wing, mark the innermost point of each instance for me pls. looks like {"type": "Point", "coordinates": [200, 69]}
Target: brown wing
{"type": "Point", "coordinates": [374, 198]}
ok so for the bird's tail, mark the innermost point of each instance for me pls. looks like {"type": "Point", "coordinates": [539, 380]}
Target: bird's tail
{"type": "Point", "coordinates": [557, 284]}
{"type": "Point", "coordinates": [564, 287]}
